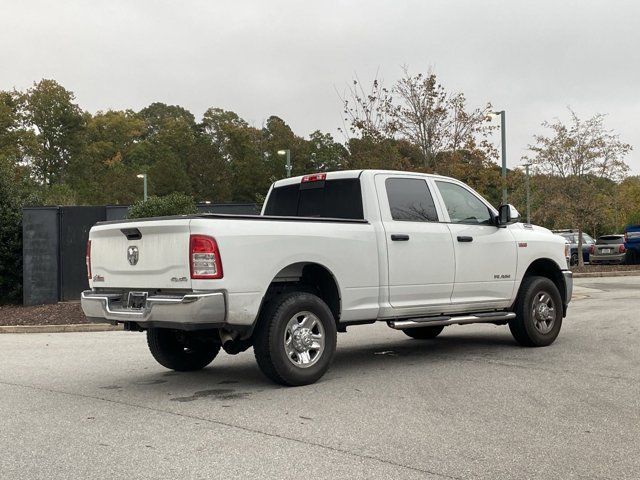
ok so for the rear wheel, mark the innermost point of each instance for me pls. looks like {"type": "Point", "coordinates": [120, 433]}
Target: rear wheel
{"type": "Point", "coordinates": [423, 333]}
{"type": "Point", "coordinates": [295, 340]}
{"type": "Point", "coordinates": [538, 313]}
{"type": "Point", "coordinates": [179, 350]}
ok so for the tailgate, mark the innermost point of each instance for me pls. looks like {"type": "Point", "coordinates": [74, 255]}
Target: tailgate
{"type": "Point", "coordinates": [145, 255]}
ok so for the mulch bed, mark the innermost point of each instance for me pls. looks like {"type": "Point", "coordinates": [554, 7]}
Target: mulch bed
{"type": "Point", "coordinates": [55, 314]}
{"type": "Point", "coordinates": [605, 268]}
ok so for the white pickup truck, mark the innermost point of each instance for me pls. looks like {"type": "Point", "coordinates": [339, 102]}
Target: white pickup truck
{"type": "Point", "coordinates": [329, 250]}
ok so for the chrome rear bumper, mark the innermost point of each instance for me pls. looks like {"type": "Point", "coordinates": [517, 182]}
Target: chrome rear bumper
{"type": "Point", "coordinates": [188, 311]}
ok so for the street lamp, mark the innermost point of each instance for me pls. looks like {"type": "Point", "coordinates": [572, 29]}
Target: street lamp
{"type": "Point", "coordinates": [503, 138]}
{"type": "Point", "coordinates": [288, 167]}
{"type": "Point", "coordinates": [144, 178]}
{"type": "Point", "coordinates": [526, 169]}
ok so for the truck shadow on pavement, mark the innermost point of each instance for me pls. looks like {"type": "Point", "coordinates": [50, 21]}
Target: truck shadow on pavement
{"type": "Point", "coordinates": [240, 379]}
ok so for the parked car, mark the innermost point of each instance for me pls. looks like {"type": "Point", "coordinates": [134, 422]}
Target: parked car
{"type": "Point", "coordinates": [608, 249]}
{"type": "Point", "coordinates": [329, 250]}
{"type": "Point", "coordinates": [572, 237]}
{"type": "Point", "coordinates": [632, 244]}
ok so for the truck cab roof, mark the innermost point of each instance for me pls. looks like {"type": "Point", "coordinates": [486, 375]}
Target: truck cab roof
{"type": "Point", "coordinates": [342, 174]}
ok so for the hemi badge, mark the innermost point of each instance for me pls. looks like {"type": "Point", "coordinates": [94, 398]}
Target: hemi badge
{"type": "Point", "coordinates": [522, 244]}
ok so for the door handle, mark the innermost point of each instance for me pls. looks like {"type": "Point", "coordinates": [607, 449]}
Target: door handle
{"type": "Point", "coordinates": [400, 237]}
{"type": "Point", "coordinates": [465, 239]}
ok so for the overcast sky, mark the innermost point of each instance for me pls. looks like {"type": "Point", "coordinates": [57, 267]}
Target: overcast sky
{"type": "Point", "coordinates": [287, 58]}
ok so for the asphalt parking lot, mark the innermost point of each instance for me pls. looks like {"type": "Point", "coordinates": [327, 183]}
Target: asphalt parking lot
{"type": "Point", "coordinates": [470, 404]}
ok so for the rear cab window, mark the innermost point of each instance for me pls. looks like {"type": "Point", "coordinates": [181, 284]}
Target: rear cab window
{"type": "Point", "coordinates": [338, 198]}
{"type": "Point", "coordinates": [410, 200]}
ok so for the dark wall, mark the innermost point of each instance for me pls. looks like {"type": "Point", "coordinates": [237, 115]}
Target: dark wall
{"type": "Point", "coordinates": [40, 251]}
{"type": "Point", "coordinates": [75, 223]}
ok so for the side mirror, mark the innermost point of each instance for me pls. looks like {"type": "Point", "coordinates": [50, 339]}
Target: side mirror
{"type": "Point", "coordinates": [507, 214]}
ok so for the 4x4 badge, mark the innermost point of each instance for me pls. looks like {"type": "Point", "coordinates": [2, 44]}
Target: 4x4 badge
{"type": "Point", "coordinates": [132, 255]}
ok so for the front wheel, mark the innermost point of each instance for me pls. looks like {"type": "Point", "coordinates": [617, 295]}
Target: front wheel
{"type": "Point", "coordinates": [179, 350]}
{"type": "Point", "coordinates": [538, 313]}
{"type": "Point", "coordinates": [295, 340]}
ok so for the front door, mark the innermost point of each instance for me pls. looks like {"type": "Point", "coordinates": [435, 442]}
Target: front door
{"type": "Point", "coordinates": [486, 256]}
{"type": "Point", "coordinates": [420, 252]}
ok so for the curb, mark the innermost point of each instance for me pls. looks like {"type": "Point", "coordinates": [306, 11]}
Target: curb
{"type": "Point", "coordinates": [82, 327]}
{"type": "Point", "coordinates": [623, 273]}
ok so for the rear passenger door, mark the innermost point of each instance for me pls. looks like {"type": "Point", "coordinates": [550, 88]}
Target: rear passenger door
{"type": "Point", "coordinates": [420, 253]}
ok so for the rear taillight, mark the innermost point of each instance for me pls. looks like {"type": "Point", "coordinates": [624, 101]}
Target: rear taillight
{"type": "Point", "coordinates": [621, 248]}
{"type": "Point", "coordinates": [566, 249]}
{"type": "Point", "coordinates": [204, 257]}
{"type": "Point", "coordinates": [592, 249]}
{"type": "Point", "coordinates": [88, 259]}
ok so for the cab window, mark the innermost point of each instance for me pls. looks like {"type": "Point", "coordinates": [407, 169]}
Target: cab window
{"type": "Point", "coordinates": [462, 205]}
{"type": "Point", "coordinates": [410, 200]}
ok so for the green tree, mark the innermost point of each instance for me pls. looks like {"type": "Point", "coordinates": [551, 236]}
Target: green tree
{"type": "Point", "coordinates": [239, 147]}
{"type": "Point", "coordinates": [156, 114]}
{"type": "Point", "coordinates": [58, 123]}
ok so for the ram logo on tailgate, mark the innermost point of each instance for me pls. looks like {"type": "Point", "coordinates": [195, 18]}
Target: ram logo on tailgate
{"type": "Point", "coordinates": [132, 255]}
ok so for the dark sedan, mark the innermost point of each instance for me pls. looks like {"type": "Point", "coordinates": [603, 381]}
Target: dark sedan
{"type": "Point", "coordinates": [608, 249]}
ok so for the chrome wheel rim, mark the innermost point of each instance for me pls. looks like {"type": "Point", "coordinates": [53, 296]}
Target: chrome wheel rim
{"type": "Point", "coordinates": [304, 339]}
{"type": "Point", "coordinates": [543, 312]}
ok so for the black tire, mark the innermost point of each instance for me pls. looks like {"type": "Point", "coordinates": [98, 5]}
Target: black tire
{"type": "Point", "coordinates": [574, 259]}
{"type": "Point", "coordinates": [423, 333]}
{"type": "Point", "coordinates": [179, 350]}
{"type": "Point", "coordinates": [274, 327]}
{"type": "Point", "coordinates": [630, 257]}
{"type": "Point", "coordinates": [531, 329]}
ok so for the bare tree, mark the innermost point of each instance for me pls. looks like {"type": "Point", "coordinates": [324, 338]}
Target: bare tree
{"type": "Point", "coordinates": [582, 154]}
{"type": "Point", "coordinates": [419, 110]}
{"type": "Point", "coordinates": [367, 111]}
{"type": "Point", "coordinates": [436, 120]}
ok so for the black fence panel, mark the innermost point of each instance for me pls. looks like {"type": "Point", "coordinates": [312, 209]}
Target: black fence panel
{"type": "Point", "coordinates": [75, 223]}
{"type": "Point", "coordinates": [40, 269]}
{"type": "Point", "coordinates": [116, 212]}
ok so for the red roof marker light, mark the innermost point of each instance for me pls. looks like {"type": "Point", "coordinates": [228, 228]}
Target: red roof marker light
{"type": "Point", "coordinates": [316, 177]}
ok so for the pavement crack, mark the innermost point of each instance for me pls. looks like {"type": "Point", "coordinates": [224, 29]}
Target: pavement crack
{"type": "Point", "coordinates": [331, 448]}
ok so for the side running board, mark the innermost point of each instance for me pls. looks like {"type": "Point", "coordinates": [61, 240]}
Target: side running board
{"type": "Point", "coordinates": [401, 324]}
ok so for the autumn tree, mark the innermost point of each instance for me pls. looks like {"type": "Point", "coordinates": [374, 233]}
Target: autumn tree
{"type": "Point", "coordinates": [583, 155]}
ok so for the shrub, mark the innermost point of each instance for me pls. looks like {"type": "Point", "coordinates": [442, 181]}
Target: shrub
{"type": "Point", "coordinates": [14, 194]}
{"type": "Point", "coordinates": [173, 204]}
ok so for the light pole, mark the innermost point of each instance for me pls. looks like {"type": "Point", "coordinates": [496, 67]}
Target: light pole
{"type": "Point", "coordinates": [288, 167]}
{"type": "Point", "coordinates": [143, 176]}
{"type": "Point", "coordinates": [503, 138]}
{"type": "Point", "coordinates": [526, 169]}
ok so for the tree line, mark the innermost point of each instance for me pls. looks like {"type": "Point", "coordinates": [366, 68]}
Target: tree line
{"type": "Point", "coordinates": [52, 152]}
